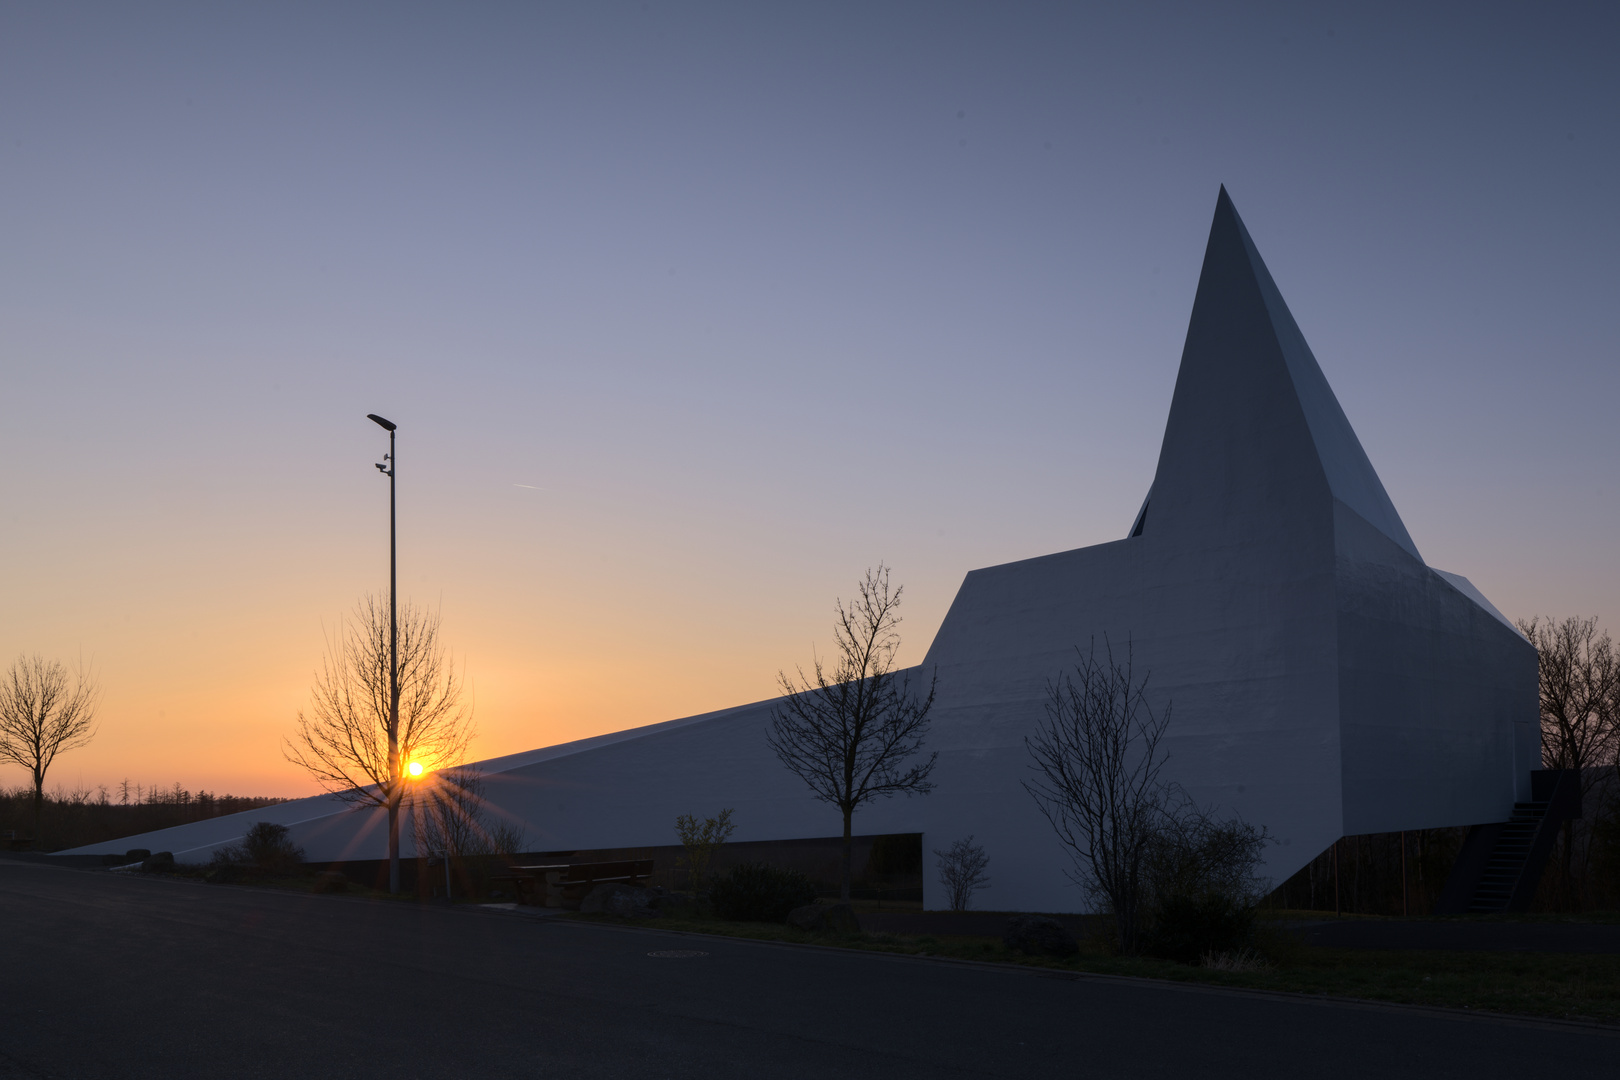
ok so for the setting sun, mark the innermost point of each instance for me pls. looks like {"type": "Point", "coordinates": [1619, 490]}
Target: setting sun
{"type": "Point", "coordinates": [414, 769]}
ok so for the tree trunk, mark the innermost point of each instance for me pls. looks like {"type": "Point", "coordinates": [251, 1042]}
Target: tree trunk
{"type": "Point", "coordinates": [843, 889]}
{"type": "Point", "coordinates": [393, 841]}
{"type": "Point", "coordinates": [39, 804]}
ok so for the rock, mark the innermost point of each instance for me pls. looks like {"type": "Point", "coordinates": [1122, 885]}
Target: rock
{"type": "Point", "coordinates": [1037, 935]}
{"type": "Point", "coordinates": [629, 901]}
{"type": "Point", "coordinates": [139, 854]}
{"type": "Point", "coordinates": [330, 881]}
{"type": "Point", "coordinates": [825, 919]}
{"type": "Point", "coordinates": [161, 862]}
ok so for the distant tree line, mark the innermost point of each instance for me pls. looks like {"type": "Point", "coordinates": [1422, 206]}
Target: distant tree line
{"type": "Point", "coordinates": [91, 816]}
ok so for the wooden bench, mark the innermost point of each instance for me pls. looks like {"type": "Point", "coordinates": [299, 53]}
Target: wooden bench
{"type": "Point", "coordinates": [564, 885]}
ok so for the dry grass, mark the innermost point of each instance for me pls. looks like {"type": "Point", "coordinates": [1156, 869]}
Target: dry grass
{"type": "Point", "coordinates": [1241, 960]}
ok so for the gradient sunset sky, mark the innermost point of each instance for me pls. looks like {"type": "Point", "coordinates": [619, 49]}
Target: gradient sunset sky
{"type": "Point", "coordinates": [688, 313]}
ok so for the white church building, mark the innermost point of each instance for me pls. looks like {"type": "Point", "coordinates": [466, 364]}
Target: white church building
{"type": "Point", "coordinates": [1325, 680]}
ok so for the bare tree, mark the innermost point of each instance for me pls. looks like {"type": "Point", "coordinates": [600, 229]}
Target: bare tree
{"type": "Point", "coordinates": [848, 731]}
{"type": "Point", "coordinates": [962, 871]}
{"type": "Point", "coordinates": [1580, 717]}
{"type": "Point", "coordinates": [1097, 760]}
{"type": "Point", "coordinates": [45, 710]}
{"type": "Point", "coordinates": [348, 741]}
{"type": "Point", "coordinates": [1580, 675]}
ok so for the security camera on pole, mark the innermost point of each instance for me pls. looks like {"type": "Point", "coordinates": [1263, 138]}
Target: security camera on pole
{"type": "Point", "coordinates": [386, 467]}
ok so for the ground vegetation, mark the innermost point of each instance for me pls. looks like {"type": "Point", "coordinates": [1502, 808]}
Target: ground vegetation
{"type": "Point", "coordinates": [760, 892]}
{"type": "Point", "coordinates": [1584, 986]}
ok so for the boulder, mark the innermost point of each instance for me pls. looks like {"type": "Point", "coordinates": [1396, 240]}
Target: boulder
{"type": "Point", "coordinates": [824, 919]}
{"type": "Point", "coordinates": [628, 901]}
{"type": "Point", "coordinates": [330, 881]}
{"type": "Point", "coordinates": [1037, 935]}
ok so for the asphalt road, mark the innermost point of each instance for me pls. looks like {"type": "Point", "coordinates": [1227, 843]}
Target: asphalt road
{"type": "Point", "coordinates": [106, 975]}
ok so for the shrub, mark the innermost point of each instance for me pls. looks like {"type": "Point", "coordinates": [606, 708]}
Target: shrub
{"type": "Point", "coordinates": [961, 871]}
{"type": "Point", "coordinates": [1201, 884]}
{"type": "Point", "coordinates": [266, 848]}
{"type": "Point", "coordinates": [1188, 927]}
{"type": "Point", "coordinates": [759, 892]}
{"type": "Point", "coordinates": [700, 840]}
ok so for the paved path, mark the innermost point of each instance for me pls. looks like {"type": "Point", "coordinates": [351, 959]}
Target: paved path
{"type": "Point", "coordinates": [119, 976]}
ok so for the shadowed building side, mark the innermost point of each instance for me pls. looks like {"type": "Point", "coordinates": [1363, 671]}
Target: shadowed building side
{"type": "Point", "coordinates": [1324, 680]}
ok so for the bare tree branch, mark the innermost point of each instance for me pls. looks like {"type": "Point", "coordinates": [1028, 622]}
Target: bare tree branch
{"type": "Point", "coordinates": [1580, 679]}
{"type": "Point", "coordinates": [45, 710]}
{"type": "Point", "coordinates": [343, 740]}
{"type": "Point", "coordinates": [962, 869]}
{"type": "Point", "coordinates": [1097, 762]}
{"type": "Point", "coordinates": [848, 732]}
{"type": "Point", "coordinates": [1580, 719]}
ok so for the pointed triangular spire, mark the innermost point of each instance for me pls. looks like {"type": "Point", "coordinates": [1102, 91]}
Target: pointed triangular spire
{"type": "Point", "coordinates": [1253, 417]}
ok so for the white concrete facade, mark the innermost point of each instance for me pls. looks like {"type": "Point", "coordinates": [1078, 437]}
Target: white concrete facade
{"type": "Point", "coordinates": [1324, 680]}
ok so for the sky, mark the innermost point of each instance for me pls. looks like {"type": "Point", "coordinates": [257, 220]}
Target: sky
{"type": "Point", "coordinates": [690, 313]}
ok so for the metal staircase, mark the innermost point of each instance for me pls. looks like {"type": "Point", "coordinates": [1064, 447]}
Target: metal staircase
{"type": "Point", "coordinates": [1500, 863]}
{"type": "Point", "coordinates": [1509, 856]}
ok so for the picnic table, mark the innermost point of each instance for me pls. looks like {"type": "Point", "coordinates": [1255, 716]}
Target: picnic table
{"type": "Point", "coordinates": [564, 885]}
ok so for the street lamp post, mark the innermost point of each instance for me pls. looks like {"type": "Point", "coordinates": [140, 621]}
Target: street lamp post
{"type": "Point", "coordinates": [393, 659]}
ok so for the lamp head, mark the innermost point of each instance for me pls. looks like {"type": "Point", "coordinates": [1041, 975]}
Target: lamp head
{"type": "Point", "coordinates": [386, 425]}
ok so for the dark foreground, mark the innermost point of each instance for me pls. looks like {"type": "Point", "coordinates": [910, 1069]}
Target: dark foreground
{"type": "Point", "coordinates": [106, 975]}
